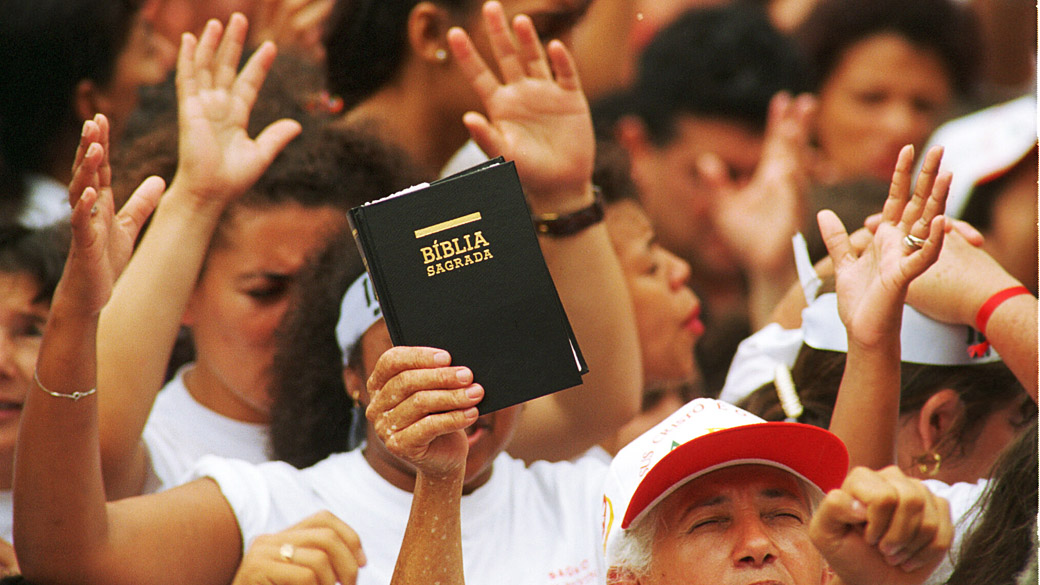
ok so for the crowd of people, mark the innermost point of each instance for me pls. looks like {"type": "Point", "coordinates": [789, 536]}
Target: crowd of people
{"type": "Point", "coordinates": [796, 241]}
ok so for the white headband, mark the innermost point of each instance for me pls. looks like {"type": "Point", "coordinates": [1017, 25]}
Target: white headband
{"type": "Point", "coordinates": [359, 311]}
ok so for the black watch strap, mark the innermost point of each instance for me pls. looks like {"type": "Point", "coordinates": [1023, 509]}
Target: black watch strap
{"type": "Point", "coordinates": [568, 224]}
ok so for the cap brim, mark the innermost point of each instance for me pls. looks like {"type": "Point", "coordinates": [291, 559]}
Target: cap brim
{"type": "Point", "coordinates": [811, 452]}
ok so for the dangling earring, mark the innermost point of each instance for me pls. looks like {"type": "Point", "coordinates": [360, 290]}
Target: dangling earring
{"type": "Point", "coordinates": [928, 464]}
{"type": "Point", "coordinates": [441, 55]}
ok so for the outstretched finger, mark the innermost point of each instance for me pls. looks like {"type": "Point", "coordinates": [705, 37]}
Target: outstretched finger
{"type": "Point", "coordinates": [531, 51]}
{"type": "Point", "coordinates": [205, 52]}
{"type": "Point", "coordinates": [922, 190]}
{"type": "Point", "coordinates": [563, 66]}
{"type": "Point", "coordinates": [184, 78]}
{"type": "Point", "coordinates": [273, 139]}
{"type": "Point", "coordinates": [246, 86]}
{"type": "Point", "coordinates": [917, 261]}
{"type": "Point", "coordinates": [225, 63]}
{"type": "Point", "coordinates": [503, 47]}
{"type": "Point", "coordinates": [104, 172]}
{"type": "Point", "coordinates": [85, 173]}
{"type": "Point", "coordinates": [839, 247]}
{"type": "Point", "coordinates": [472, 65]}
{"type": "Point", "coordinates": [899, 189]}
{"type": "Point", "coordinates": [140, 205]}
{"type": "Point", "coordinates": [934, 206]}
{"type": "Point", "coordinates": [486, 136]}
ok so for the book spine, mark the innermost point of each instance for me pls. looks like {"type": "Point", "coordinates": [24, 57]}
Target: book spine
{"type": "Point", "coordinates": [356, 219]}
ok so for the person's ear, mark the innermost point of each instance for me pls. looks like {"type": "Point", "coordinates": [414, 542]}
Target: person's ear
{"type": "Point", "coordinates": [937, 417]}
{"type": "Point", "coordinates": [355, 383]}
{"type": "Point", "coordinates": [427, 31]}
{"type": "Point", "coordinates": [631, 133]}
{"type": "Point", "coordinates": [89, 100]}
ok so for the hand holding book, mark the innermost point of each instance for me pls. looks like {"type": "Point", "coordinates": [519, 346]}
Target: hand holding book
{"type": "Point", "coordinates": [537, 114]}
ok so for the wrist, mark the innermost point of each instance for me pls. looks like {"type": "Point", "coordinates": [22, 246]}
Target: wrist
{"type": "Point", "coordinates": [993, 303]}
{"type": "Point", "coordinates": [567, 223]}
{"type": "Point", "coordinates": [561, 201]}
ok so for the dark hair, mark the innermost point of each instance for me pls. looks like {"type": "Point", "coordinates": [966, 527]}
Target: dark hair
{"type": "Point", "coordinates": [48, 47]}
{"type": "Point", "coordinates": [982, 389]}
{"type": "Point", "coordinates": [1002, 539]}
{"type": "Point", "coordinates": [939, 25]}
{"type": "Point", "coordinates": [38, 253]}
{"type": "Point", "coordinates": [720, 62]}
{"type": "Point", "coordinates": [612, 173]}
{"type": "Point", "coordinates": [312, 414]}
{"type": "Point", "coordinates": [366, 43]}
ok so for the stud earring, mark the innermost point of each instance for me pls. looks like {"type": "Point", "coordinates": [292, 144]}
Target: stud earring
{"type": "Point", "coordinates": [441, 55]}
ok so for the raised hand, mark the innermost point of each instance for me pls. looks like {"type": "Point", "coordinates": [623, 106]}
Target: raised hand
{"type": "Point", "coordinates": [102, 240]}
{"type": "Point", "coordinates": [420, 405]}
{"type": "Point", "coordinates": [218, 160]}
{"type": "Point", "coordinates": [320, 549]}
{"type": "Point", "coordinates": [537, 114]}
{"type": "Point", "coordinates": [757, 220]}
{"type": "Point", "coordinates": [882, 527]}
{"type": "Point", "coordinates": [872, 285]}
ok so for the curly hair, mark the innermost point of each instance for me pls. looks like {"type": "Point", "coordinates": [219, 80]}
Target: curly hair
{"type": "Point", "coordinates": [312, 415]}
{"type": "Point", "coordinates": [938, 25]}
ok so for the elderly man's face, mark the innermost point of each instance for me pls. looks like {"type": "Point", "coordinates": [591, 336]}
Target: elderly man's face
{"type": "Point", "coordinates": [742, 525]}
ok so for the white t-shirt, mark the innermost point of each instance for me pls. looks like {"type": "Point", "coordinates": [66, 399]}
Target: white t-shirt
{"type": "Point", "coordinates": [180, 431]}
{"type": "Point", "coordinates": [47, 201]}
{"type": "Point", "coordinates": [962, 497]}
{"type": "Point", "coordinates": [530, 526]}
{"type": "Point", "coordinates": [6, 515]}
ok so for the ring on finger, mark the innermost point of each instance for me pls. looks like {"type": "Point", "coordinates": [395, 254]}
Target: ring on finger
{"type": "Point", "coordinates": [287, 551]}
{"type": "Point", "coordinates": [913, 242]}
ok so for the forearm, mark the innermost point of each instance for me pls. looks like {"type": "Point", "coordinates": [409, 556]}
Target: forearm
{"type": "Point", "coordinates": [1012, 330]}
{"type": "Point", "coordinates": [588, 278]}
{"type": "Point", "coordinates": [767, 291]}
{"type": "Point", "coordinates": [59, 497]}
{"type": "Point", "coordinates": [866, 412]}
{"type": "Point", "coordinates": [431, 551]}
{"type": "Point", "coordinates": [138, 328]}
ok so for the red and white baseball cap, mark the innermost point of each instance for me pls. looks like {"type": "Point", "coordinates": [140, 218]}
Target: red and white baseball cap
{"type": "Point", "coordinates": [706, 435]}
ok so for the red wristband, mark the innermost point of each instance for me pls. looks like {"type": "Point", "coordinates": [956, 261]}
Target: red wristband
{"type": "Point", "coordinates": [982, 317]}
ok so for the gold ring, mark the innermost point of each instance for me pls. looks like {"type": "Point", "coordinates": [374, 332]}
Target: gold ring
{"type": "Point", "coordinates": [287, 551]}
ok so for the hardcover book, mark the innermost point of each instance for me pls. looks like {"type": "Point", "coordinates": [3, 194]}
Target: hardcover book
{"type": "Point", "coordinates": [455, 264]}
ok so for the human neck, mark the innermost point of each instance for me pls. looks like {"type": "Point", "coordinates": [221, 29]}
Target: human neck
{"type": "Point", "coordinates": [400, 474]}
{"type": "Point", "coordinates": [407, 120]}
{"type": "Point", "coordinates": [209, 391]}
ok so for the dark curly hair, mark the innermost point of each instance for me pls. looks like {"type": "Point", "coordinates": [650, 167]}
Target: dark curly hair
{"type": "Point", "coordinates": [938, 25]}
{"type": "Point", "coordinates": [312, 415]}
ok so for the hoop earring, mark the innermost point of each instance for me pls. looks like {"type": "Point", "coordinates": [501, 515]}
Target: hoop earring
{"type": "Point", "coordinates": [929, 464]}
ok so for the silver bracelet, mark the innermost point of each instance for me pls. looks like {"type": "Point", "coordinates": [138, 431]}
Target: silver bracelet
{"type": "Point", "coordinates": [74, 396]}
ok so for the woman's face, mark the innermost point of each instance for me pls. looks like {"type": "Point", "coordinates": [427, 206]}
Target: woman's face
{"type": "Point", "coordinates": [146, 59]}
{"type": "Point", "coordinates": [667, 312]}
{"type": "Point", "coordinates": [240, 298]}
{"type": "Point", "coordinates": [883, 94]}
{"type": "Point", "coordinates": [21, 330]}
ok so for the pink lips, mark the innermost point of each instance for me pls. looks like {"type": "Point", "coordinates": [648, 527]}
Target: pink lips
{"type": "Point", "coordinates": [693, 323]}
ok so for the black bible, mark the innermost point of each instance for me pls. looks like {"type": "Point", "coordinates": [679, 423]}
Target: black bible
{"type": "Point", "coordinates": [455, 264]}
